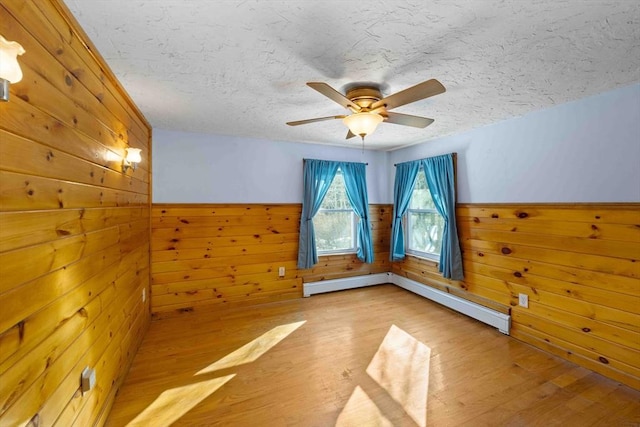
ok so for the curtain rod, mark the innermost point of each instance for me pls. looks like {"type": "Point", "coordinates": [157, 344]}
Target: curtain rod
{"type": "Point", "coordinates": [366, 163]}
{"type": "Point", "coordinates": [453, 154]}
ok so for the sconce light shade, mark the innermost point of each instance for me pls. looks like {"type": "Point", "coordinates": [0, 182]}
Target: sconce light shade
{"type": "Point", "coordinates": [363, 123]}
{"type": "Point", "coordinates": [132, 159]}
{"type": "Point", "coordinates": [9, 67]}
{"type": "Point", "coordinates": [10, 71]}
{"type": "Point", "coordinates": [133, 155]}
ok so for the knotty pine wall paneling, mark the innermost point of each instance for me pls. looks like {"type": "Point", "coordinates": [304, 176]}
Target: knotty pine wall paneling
{"type": "Point", "coordinates": [212, 256]}
{"type": "Point", "coordinates": [578, 264]}
{"type": "Point", "coordinates": [74, 227]}
{"type": "Point", "coordinates": [207, 256]}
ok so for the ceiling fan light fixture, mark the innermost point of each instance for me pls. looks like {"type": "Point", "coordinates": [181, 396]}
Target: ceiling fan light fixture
{"type": "Point", "coordinates": [363, 124]}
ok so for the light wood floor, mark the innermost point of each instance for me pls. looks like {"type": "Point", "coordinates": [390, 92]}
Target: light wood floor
{"type": "Point", "coordinates": [377, 356]}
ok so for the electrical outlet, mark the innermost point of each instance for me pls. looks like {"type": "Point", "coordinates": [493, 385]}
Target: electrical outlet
{"type": "Point", "coordinates": [523, 300]}
{"type": "Point", "coordinates": [281, 271]}
{"type": "Point", "coordinates": [87, 379]}
{"type": "Point", "coordinates": [144, 294]}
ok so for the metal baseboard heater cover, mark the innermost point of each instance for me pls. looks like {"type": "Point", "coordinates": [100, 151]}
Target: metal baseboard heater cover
{"type": "Point", "coordinates": [486, 315]}
{"type": "Point", "coordinates": [323, 286]}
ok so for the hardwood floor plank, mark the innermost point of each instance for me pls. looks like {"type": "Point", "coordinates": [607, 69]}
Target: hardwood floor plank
{"type": "Point", "coordinates": [369, 356]}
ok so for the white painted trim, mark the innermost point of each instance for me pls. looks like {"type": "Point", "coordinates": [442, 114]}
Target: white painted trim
{"type": "Point", "coordinates": [491, 317]}
{"type": "Point", "coordinates": [471, 309]}
{"type": "Point", "coordinates": [311, 288]}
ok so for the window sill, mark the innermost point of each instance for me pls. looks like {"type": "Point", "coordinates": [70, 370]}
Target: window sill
{"type": "Point", "coordinates": [336, 254]}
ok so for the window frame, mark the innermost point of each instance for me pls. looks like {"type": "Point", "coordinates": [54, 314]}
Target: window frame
{"type": "Point", "coordinates": [354, 225]}
{"type": "Point", "coordinates": [433, 256]}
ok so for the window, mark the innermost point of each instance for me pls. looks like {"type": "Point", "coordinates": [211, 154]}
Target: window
{"type": "Point", "coordinates": [424, 223]}
{"type": "Point", "coordinates": [335, 223]}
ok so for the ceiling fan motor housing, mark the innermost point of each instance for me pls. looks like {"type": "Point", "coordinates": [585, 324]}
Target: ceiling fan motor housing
{"type": "Point", "coordinates": [364, 97]}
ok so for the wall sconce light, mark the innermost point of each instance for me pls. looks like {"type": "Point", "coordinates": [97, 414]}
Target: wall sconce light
{"type": "Point", "coordinates": [132, 159]}
{"type": "Point", "coordinates": [363, 124]}
{"type": "Point", "coordinates": [10, 71]}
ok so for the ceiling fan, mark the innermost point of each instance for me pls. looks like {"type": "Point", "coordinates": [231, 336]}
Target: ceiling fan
{"type": "Point", "coordinates": [369, 109]}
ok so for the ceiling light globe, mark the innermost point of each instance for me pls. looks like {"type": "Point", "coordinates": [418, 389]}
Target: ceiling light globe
{"type": "Point", "coordinates": [363, 123]}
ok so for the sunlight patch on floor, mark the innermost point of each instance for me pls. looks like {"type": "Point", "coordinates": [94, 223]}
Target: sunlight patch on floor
{"type": "Point", "coordinates": [254, 349]}
{"type": "Point", "coordinates": [360, 410]}
{"type": "Point", "coordinates": [401, 367]}
{"type": "Point", "coordinates": [175, 402]}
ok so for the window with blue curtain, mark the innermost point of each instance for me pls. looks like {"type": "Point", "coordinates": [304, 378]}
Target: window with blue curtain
{"type": "Point", "coordinates": [317, 178]}
{"type": "Point", "coordinates": [335, 224]}
{"type": "Point", "coordinates": [402, 189]}
{"type": "Point", "coordinates": [423, 225]}
{"type": "Point", "coordinates": [440, 178]}
{"type": "Point", "coordinates": [355, 181]}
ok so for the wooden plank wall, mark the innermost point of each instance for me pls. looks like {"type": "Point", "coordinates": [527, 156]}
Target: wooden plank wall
{"type": "Point", "coordinates": [213, 256]}
{"type": "Point", "coordinates": [579, 266]}
{"type": "Point", "coordinates": [74, 227]}
{"type": "Point", "coordinates": [208, 257]}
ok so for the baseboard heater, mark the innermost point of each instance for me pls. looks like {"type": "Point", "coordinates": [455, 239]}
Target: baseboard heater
{"type": "Point", "coordinates": [486, 315]}
{"type": "Point", "coordinates": [323, 286]}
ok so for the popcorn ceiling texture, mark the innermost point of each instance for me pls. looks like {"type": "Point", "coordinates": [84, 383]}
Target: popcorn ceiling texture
{"type": "Point", "coordinates": [240, 67]}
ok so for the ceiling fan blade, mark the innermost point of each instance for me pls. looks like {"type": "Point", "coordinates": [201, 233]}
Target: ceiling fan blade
{"type": "Point", "coordinates": [415, 93]}
{"type": "Point", "coordinates": [350, 134]}
{"type": "Point", "coordinates": [319, 119]}
{"type": "Point", "coordinates": [334, 95]}
{"type": "Point", "coordinates": [408, 120]}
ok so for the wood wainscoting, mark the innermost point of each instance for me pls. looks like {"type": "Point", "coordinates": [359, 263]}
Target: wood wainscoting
{"type": "Point", "coordinates": [578, 264]}
{"type": "Point", "coordinates": [209, 256]}
{"type": "Point", "coordinates": [74, 227]}
{"type": "Point", "coordinates": [212, 256]}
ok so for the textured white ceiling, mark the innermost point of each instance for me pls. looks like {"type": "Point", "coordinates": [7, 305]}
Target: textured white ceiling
{"type": "Point", "coordinates": [240, 67]}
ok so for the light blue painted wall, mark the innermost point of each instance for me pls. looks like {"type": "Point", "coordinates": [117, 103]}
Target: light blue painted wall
{"type": "Point", "coordinates": [203, 168]}
{"type": "Point", "coordinates": [582, 151]}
